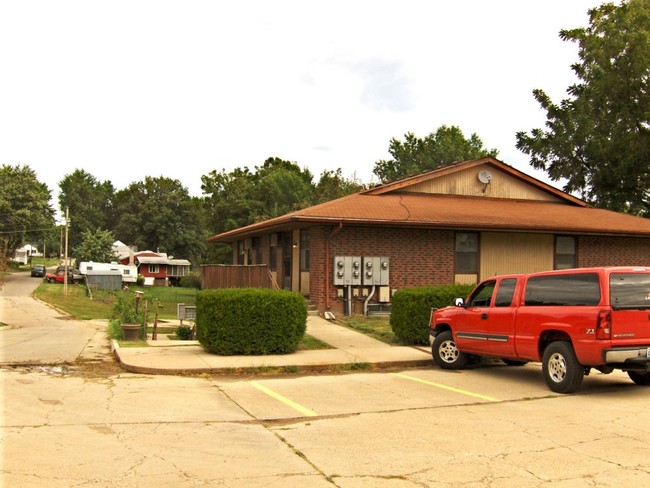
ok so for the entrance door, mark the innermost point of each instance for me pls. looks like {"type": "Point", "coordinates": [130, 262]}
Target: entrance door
{"type": "Point", "coordinates": [287, 250]}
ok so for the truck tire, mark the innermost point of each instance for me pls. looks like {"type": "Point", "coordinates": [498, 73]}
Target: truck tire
{"type": "Point", "coordinates": [642, 379]}
{"type": "Point", "coordinates": [562, 371]}
{"type": "Point", "coordinates": [445, 353]}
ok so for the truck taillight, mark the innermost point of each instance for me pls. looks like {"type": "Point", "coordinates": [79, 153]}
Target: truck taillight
{"type": "Point", "coordinates": [431, 324]}
{"type": "Point", "coordinates": [604, 325]}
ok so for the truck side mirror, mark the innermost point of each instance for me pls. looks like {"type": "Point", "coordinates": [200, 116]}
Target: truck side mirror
{"type": "Point", "coordinates": [459, 302]}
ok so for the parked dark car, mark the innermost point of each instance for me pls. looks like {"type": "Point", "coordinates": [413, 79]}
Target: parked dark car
{"type": "Point", "coordinates": [38, 270]}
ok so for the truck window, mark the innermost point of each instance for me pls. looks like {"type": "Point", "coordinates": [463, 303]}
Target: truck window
{"type": "Point", "coordinates": [564, 290]}
{"type": "Point", "coordinates": [482, 296]}
{"type": "Point", "coordinates": [629, 290]}
{"type": "Point", "coordinates": [505, 292]}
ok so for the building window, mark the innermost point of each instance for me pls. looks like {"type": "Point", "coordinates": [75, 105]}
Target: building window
{"type": "Point", "coordinates": [154, 269]}
{"type": "Point", "coordinates": [304, 250]}
{"type": "Point", "coordinates": [466, 256]}
{"type": "Point", "coordinates": [240, 252]}
{"type": "Point", "coordinates": [257, 246]}
{"type": "Point", "coordinates": [565, 252]}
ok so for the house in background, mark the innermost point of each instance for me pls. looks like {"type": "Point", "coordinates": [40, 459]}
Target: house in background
{"type": "Point", "coordinates": [457, 224]}
{"type": "Point", "coordinates": [24, 254]}
{"type": "Point", "coordinates": [157, 268]}
{"type": "Point", "coordinates": [123, 251]}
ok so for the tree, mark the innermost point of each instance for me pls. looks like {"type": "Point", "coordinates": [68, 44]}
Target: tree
{"type": "Point", "coordinates": [25, 210]}
{"type": "Point", "coordinates": [89, 201]}
{"type": "Point", "coordinates": [599, 137]}
{"type": "Point", "coordinates": [158, 214]}
{"type": "Point", "coordinates": [332, 185]}
{"type": "Point", "coordinates": [281, 187]}
{"type": "Point", "coordinates": [414, 155]}
{"type": "Point", "coordinates": [243, 197]}
{"type": "Point", "coordinates": [95, 246]}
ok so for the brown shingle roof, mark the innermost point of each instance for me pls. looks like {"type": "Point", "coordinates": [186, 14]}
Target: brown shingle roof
{"type": "Point", "coordinates": [455, 212]}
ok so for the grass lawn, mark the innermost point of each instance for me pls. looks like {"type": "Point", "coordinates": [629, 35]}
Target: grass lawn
{"type": "Point", "coordinates": [377, 326]}
{"type": "Point", "coordinates": [80, 306]}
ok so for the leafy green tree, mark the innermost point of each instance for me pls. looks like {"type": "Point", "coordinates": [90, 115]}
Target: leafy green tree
{"type": "Point", "coordinates": [599, 137]}
{"type": "Point", "coordinates": [89, 201]}
{"type": "Point", "coordinates": [25, 211]}
{"type": "Point", "coordinates": [158, 214]}
{"type": "Point", "coordinates": [230, 199]}
{"type": "Point", "coordinates": [243, 197]}
{"type": "Point", "coordinates": [415, 155]}
{"type": "Point", "coordinates": [95, 246]}
{"type": "Point", "coordinates": [332, 185]}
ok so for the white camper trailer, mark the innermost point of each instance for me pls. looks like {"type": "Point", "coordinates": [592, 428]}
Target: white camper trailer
{"type": "Point", "coordinates": [129, 272]}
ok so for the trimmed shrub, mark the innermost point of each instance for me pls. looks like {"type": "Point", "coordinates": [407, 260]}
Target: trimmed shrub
{"type": "Point", "coordinates": [250, 321]}
{"type": "Point", "coordinates": [411, 310]}
{"type": "Point", "coordinates": [184, 332]}
{"type": "Point", "coordinates": [192, 280]}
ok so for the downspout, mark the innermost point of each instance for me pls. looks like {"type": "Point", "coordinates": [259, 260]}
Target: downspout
{"type": "Point", "coordinates": [328, 261]}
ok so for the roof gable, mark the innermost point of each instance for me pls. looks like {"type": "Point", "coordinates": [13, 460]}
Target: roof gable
{"type": "Point", "coordinates": [503, 181]}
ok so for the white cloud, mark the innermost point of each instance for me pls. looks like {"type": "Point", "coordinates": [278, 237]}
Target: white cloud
{"type": "Point", "coordinates": [126, 89]}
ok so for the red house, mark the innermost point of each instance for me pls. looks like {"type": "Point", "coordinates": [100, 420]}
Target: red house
{"type": "Point", "coordinates": [159, 269]}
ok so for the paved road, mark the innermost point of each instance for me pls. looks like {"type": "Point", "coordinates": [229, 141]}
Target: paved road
{"type": "Point", "coordinates": [35, 333]}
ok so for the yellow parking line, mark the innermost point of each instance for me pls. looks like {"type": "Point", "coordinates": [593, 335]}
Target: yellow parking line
{"type": "Point", "coordinates": [286, 401]}
{"type": "Point", "coordinates": [449, 388]}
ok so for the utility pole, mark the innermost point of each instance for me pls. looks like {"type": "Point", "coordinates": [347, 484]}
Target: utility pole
{"type": "Point", "coordinates": [65, 265]}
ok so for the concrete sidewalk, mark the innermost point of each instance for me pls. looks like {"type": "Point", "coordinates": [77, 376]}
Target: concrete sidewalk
{"type": "Point", "coordinates": [176, 357]}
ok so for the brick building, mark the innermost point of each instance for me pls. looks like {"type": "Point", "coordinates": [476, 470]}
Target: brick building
{"type": "Point", "coordinates": [460, 223]}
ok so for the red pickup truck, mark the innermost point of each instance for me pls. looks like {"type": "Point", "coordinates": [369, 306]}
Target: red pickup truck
{"type": "Point", "coordinates": [570, 320]}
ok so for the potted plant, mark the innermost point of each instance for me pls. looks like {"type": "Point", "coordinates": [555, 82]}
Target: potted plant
{"type": "Point", "coordinates": [130, 318]}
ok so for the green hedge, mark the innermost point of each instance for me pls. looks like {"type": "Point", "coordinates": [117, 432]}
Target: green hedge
{"type": "Point", "coordinates": [411, 310]}
{"type": "Point", "coordinates": [250, 321]}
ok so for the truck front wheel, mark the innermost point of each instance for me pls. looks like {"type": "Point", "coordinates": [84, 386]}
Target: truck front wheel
{"type": "Point", "coordinates": [562, 371]}
{"type": "Point", "coordinates": [445, 353]}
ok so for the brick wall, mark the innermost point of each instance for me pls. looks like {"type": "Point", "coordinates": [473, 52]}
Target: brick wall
{"type": "Point", "coordinates": [613, 251]}
{"type": "Point", "coordinates": [417, 257]}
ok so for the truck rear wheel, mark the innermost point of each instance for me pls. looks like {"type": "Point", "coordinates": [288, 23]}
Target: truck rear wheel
{"type": "Point", "coordinates": [562, 371]}
{"type": "Point", "coordinates": [639, 378]}
{"type": "Point", "coordinates": [445, 353]}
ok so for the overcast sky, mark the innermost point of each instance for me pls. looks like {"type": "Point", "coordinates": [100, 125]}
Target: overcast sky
{"type": "Point", "coordinates": [126, 89]}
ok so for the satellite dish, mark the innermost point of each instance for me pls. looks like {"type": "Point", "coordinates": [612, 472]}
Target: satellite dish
{"type": "Point", "coordinates": [485, 177]}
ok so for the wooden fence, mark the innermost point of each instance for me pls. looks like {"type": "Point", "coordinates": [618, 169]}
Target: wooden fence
{"type": "Point", "coordinates": [237, 276]}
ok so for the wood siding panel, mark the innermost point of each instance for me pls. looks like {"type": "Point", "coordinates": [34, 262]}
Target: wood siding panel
{"type": "Point", "coordinates": [466, 183]}
{"type": "Point", "coordinates": [505, 253]}
{"type": "Point", "coordinates": [466, 279]}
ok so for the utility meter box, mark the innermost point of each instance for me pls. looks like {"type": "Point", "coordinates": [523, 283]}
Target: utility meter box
{"type": "Point", "coordinates": [347, 270]}
{"type": "Point", "coordinates": [376, 270]}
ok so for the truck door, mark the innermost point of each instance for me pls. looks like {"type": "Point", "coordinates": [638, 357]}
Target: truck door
{"type": "Point", "coordinates": [501, 322]}
{"type": "Point", "coordinates": [488, 321]}
{"type": "Point", "coordinates": [472, 331]}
